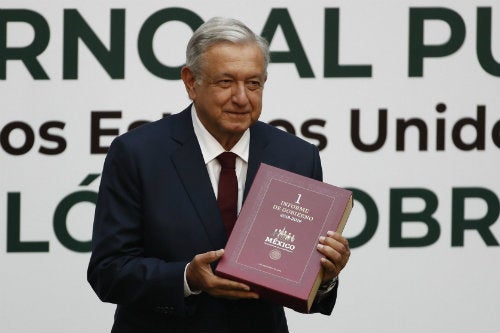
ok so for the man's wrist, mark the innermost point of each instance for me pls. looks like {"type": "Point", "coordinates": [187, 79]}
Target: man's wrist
{"type": "Point", "coordinates": [187, 290]}
{"type": "Point", "coordinates": [328, 286]}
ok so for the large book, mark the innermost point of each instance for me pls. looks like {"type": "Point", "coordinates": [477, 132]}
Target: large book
{"type": "Point", "coordinates": [273, 246]}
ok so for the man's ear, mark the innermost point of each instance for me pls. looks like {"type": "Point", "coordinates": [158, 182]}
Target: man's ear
{"type": "Point", "coordinates": [189, 81]}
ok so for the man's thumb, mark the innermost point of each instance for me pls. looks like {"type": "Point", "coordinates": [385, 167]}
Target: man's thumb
{"type": "Point", "coordinates": [211, 256]}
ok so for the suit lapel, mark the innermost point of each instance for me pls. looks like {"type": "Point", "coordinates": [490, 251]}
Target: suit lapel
{"type": "Point", "coordinates": [188, 161]}
{"type": "Point", "coordinates": [258, 144]}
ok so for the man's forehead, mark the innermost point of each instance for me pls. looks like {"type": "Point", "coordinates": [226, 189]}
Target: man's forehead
{"type": "Point", "coordinates": [225, 58]}
{"type": "Point", "coordinates": [235, 50]}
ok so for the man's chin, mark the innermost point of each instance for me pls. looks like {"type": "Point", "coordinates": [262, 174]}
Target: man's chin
{"type": "Point", "coordinates": [240, 126]}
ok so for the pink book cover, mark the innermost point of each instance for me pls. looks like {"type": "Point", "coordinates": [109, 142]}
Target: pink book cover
{"type": "Point", "coordinates": [272, 247]}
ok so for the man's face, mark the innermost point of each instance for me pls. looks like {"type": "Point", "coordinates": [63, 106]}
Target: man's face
{"type": "Point", "coordinates": [228, 95]}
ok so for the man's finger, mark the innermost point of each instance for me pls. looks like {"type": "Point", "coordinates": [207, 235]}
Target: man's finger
{"type": "Point", "coordinates": [210, 257]}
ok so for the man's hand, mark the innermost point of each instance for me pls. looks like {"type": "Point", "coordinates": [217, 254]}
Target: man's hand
{"type": "Point", "coordinates": [335, 249]}
{"type": "Point", "coordinates": [199, 276]}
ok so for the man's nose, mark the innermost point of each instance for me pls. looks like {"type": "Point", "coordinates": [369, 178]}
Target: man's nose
{"type": "Point", "coordinates": [240, 96]}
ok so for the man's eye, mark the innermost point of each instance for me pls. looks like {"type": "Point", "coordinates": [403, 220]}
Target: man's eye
{"type": "Point", "coordinates": [224, 83]}
{"type": "Point", "coordinates": [252, 85]}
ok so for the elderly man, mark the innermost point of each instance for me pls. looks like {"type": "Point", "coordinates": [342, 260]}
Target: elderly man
{"type": "Point", "coordinates": [158, 229]}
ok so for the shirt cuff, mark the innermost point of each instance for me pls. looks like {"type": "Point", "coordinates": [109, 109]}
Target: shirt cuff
{"type": "Point", "coordinates": [187, 290]}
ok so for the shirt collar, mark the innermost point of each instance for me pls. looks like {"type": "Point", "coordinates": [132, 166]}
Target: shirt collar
{"type": "Point", "coordinates": [211, 148]}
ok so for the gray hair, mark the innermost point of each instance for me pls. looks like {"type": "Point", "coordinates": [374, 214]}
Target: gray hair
{"type": "Point", "coordinates": [218, 30]}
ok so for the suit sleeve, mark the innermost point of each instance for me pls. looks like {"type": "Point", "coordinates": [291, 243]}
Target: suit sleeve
{"type": "Point", "coordinates": [317, 168]}
{"type": "Point", "coordinates": [119, 272]}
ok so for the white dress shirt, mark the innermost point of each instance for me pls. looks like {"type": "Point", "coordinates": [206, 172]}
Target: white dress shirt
{"type": "Point", "coordinates": [210, 149]}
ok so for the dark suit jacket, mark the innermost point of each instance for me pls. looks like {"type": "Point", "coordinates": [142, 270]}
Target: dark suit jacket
{"type": "Point", "coordinates": [156, 210]}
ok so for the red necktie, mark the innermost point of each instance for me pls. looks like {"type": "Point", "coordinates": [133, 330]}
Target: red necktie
{"type": "Point", "coordinates": [227, 197]}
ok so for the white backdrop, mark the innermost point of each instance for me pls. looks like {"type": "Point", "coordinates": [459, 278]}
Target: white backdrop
{"type": "Point", "coordinates": [428, 281]}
